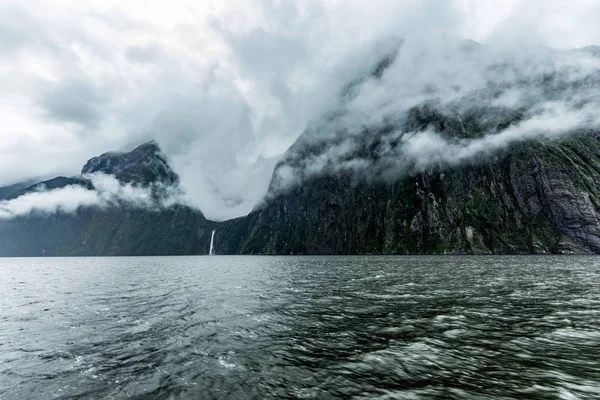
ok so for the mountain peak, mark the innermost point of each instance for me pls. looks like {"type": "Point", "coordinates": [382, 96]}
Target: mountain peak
{"type": "Point", "coordinates": [143, 165]}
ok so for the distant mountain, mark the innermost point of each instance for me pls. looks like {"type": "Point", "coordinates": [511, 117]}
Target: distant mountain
{"type": "Point", "coordinates": [49, 184]}
{"type": "Point", "coordinates": [143, 166]}
{"type": "Point", "coordinates": [114, 230]}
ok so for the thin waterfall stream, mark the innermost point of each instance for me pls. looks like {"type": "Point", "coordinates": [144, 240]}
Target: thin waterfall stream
{"type": "Point", "coordinates": [211, 251]}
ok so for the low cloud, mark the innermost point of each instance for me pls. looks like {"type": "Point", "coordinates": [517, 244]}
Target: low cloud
{"type": "Point", "coordinates": [447, 103]}
{"type": "Point", "coordinates": [107, 192]}
{"type": "Point", "coordinates": [426, 149]}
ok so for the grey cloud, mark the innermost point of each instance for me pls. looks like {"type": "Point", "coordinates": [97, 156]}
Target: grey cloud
{"type": "Point", "coordinates": [11, 37]}
{"type": "Point", "coordinates": [445, 104]}
{"type": "Point", "coordinates": [76, 101]}
{"type": "Point", "coordinates": [18, 29]}
{"type": "Point", "coordinates": [268, 54]}
{"type": "Point", "coordinates": [150, 53]}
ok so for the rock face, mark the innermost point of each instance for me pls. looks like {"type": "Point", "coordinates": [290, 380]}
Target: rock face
{"type": "Point", "coordinates": [144, 165]}
{"type": "Point", "coordinates": [541, 197]}
{"type": "Point", "coordinates": [535, 196]}
{"type": "Point", "coordinates": [469, 174]}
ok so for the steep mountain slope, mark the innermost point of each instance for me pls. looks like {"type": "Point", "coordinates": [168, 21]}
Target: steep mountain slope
{"type": "Point", "coordinates": [49, 184]}
{"type": "Point", "coordinates": [539, 197]}
{"type": "Point", "coordinates": [14, 190]}
{"type": "Point", "coordinates": [508, 165]}
{"type": "Point", "coordinates": [113, 229]}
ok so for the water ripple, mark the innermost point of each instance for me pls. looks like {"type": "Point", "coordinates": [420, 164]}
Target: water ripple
{"type": "Point", "coordinates": [300, 328]}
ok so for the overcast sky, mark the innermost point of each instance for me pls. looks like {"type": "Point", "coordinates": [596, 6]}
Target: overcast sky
{"type": "Point", "coordinates": [223, 88]}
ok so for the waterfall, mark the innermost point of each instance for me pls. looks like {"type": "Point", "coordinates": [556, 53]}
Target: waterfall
{"type": "Point", "coordinates": [212, 244]}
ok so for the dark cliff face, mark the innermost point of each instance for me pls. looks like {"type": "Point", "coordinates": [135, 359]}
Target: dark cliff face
{"type": "Point", "coordinates": [144, 165]}
{"type": "Point", "coordinates": [541, 197]}
{"type": "Point", "coordinates": [347, 188]}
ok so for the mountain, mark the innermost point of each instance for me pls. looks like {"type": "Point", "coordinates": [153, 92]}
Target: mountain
{"type": "Point", "coordinates": [504, 161]}
{"type": "Point", "coordinates": [14, 190]}
{"type": "Point", "coordinates": [49, 184]}
{"type": "Point", "coordinates": [536, 197]}
{"type": "Point", "coordinates": [462, 172]}
{"type": "Point", "coordinates": [116, 229]}
{"type": "Point", "coordinates": [541, 196]}
{"type": "Point", "coordinates": [145, 165]}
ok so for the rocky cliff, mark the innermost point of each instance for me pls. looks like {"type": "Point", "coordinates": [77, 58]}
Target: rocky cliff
{"type": "Point", "coordinates": [537, 197]}
{"type": "Point", "coordinates": [144, 165]}
{"type": "Point", "coordinates": [472, 172]}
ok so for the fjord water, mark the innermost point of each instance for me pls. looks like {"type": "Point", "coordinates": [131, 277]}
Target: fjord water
{"type": "Point", "coordinates": [300, 327]}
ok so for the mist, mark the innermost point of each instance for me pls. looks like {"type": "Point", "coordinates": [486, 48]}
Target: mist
{"type": "Point", "coordinates": [226, 90]}
{"type": "Point", "coordinates": [106, 192]}
{"type": "Point", "coordinates": [445, 102]}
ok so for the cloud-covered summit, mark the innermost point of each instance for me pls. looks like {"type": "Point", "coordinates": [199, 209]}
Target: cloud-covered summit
{"type": "Point", "coordinates": [139, 179]}
{"type": "Point", "coordinates": [446, 103]}
{"type": "Point", "coordinates": [226, 88]}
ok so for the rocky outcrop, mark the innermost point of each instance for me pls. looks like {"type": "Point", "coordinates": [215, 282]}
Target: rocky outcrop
{"type": "Point", "coordinates": [144, 165]}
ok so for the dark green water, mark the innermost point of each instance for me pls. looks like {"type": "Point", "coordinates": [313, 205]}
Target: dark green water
{"type": "Point", "coordinates": [300, 327]}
